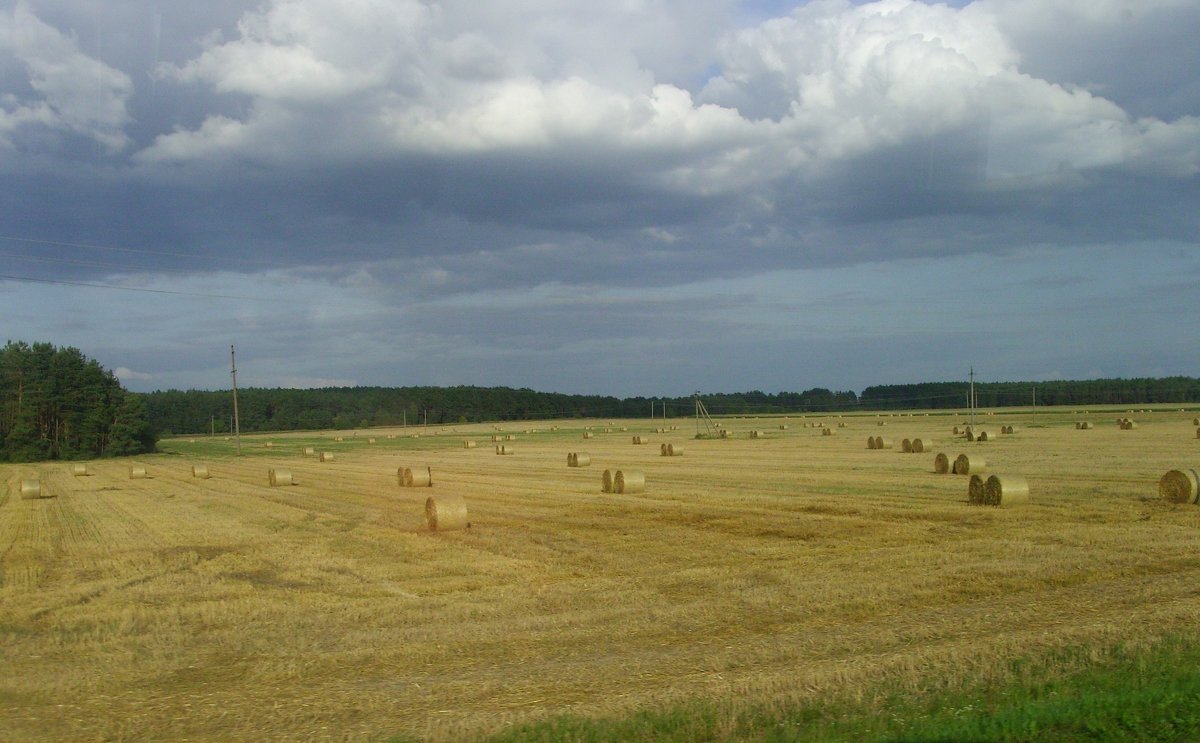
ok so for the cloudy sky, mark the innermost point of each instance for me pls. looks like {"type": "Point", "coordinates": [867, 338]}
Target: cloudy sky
{"type": "Point", "coordinates": [637, 197]}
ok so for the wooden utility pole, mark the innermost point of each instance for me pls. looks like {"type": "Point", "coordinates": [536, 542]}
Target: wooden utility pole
{"type": "Point", "coordinates": [972, 398]}
{"type": "Point", "coordinates": [237, 426]}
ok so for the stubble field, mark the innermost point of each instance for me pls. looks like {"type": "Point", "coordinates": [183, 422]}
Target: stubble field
{"type": "Point", "coordinates": [789, 567]}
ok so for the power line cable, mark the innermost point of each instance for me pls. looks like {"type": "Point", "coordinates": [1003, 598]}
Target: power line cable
{"type": "Point", "coordinates": [143, 289]}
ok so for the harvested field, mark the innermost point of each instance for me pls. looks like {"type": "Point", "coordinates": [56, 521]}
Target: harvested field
{"type": "Point", "coordinates": [176, 607]}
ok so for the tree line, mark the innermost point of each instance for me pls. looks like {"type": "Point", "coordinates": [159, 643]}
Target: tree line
{"type": "Point", "coordinates": [263, 409]}
{"type": "Point", "coordinates": [55, 403]}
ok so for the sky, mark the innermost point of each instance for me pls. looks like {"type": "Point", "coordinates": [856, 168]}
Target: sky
{"type": "Point", "coordinates": [640, 197]}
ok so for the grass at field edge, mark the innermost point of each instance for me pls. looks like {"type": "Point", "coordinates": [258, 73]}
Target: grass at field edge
{"type": "Point", "coordinates": [1147, 694]}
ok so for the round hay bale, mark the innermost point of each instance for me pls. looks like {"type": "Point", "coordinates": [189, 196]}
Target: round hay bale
{"type": "Point", "coordinates": [755, 434]}
{"type": "Point", "coordinates": [81, 470]}
{"type": "Point", "coordinates": [1198, 433]}
{"type": "Point", "coordinates": [784, 427]}
{"type": "Point", "coordinates": [504, 450]}
{"type": "Point", "coordinates": [511, 437]}
{"type": "Point", "coordinates": [606, 481]}
{"type": "Point", "coordinates": [881, 423]}
{"type": "Point", "coordinates": [882, 443]}
{"type": "Point", "coordinates": [200, 471]}
{"type": "Point", "coordinates": [279, 477]}
{"type": "Point", "coordinates": [1129, 425]}
{"type": "Point", "coordinates": [985, 436]}
{"type": "Point", "coordinates": [310, 451]}
{"type": "Point", "coordinates": [468, 444]}
{"type": "Point", "coordinates": [415, 477]}
{"type": "Point", "coordinates": [1196, 421]}
{"type": "Point", "coordinates": [326, 456]}
{"type": "Point", "coordinates": [723, 434]}
{"type": "Point", "coordinates": [629, 481]}
{"type": "Point", "coordinates": [941, 463]}
{"type": "Point", "coordinates": [920, 446]}
{"type": "Point", "coordinates": [969, 435]}
{"type": "Point", "coordinates": [31, 489]}
{"type": "Point", "coordinates": [337, 438]}
{"type": "Point", "coordinates": [827, 431]}
{"type": "Point", "coordinates": [674, 450]}
{"type": "Point", "coordinates": [1180, 486]}
{"type": "Point", "coordinates": [965, 464]}
{"type": "Point", "coordinates": [662, 450]}
{"type": "Point", "coordinates": [587, 434]}
{"type": "Point", "coordinates": [906, 446]}
{"type": "Point", "coordinates": [870, 442]}
{"type": "Point", "coordinates": [446, 513]}
{"type": "Point", "coordinates": [137, 472]}
{"type": "Point", "coordinates": [497, 437]}
{"type": "Point", "coordinates": [371, 440]}
{"type": "Point", "coordinates": [578, 459]}
{"type": "Point", "coordinates": [958, 431]}
{"type": "Point", "coordinates": [843, 425]}
{"type": "Point", "coordinates": [1005, 491]}
{"type": "Point", "coordinates": [975, 494]}
{"type": "Point", "coordinates": [638, 440]}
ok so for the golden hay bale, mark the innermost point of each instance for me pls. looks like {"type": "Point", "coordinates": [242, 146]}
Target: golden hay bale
{"type": "Point", "coordinates": [882, 443]}
{"type": "Point", "coordinates": [606, 481]}
{"type": "Point", "coordinates": [957, 431]}
{"type": "Point", "coordinates": [371, 441]}
{"type": "Point", "coordinates": [629, 481]}
{"type": "Point", "coordinates": [975, 490]}
{"type": "Point", "coordinates": [31, 489]}
{"type": "Point", "coordinates": [784, 427]}
{"type": "Point", "coordinates": [587, 434]}
{"type": "Point", "coordinates": [755, 434]}
{"type": "Point", "coordinates": [985, 436]}
{"type": "Point", "coordinates": [280, 477]}
{"type": "Point", "coordinates": [906, 446]}
{"type": "Point", "coordinates": [723, 434]}
{"type": "Point", "coordinates": [843, 425]}
{"type": "Point", "coordinates": [497, 437]}
{"type": "Point", "coordinates": [391, 435]}
{"type": "Point", "coordinates": [638, 440]}
{"type": "Point", "coordinates": [468, 444]}
{"type": "Point", "coordinates": [1180, 486]}
{"type": "Point", "coordinates": [881, 423]}
{"type": "Point", "coordinates": [1198, 433]}
{"type": "Point", "coordinates": [970, 435]}
{"type": "Point", "coordinates": [415, 477]}
{"type": "Point", "coordinates": [1196, 421]}
{"type": "Point", "coordinates": [1129, 425]}
{"type": "Point", "coordinates": [511, 437]}
{"type": "Point", "coordinates": [871, 442]}
{"type": "Point", "coordinates": [337, 438]}
{"type": "Point", "coordinates": [81, 470]}
{"type": "Point", "coordinates": [310, 451]}
{"type": "Point", "coordinates": [504, 449]}
{"type": "Point", "coordinates": [941, 463]}
{"type": "Point", "coordinates": [137, 472]}
{"type": "Point", "coordinates": [446, 512]}
{"type": "Point", "coordinates": [1005, 491]}
{"type": "Point", "coordinates": [662, 449]}
{"type": "Point", "coordinates": [578, 459]}
{"type": "Point", "coordinates": [674, 450]}
{"type": "Point", "coordinates": [965, 464]}
{"type": "Point", "coordinates": [827, 431]}
{"type": "Point", "coordinates": [326, 456]}
{"type": "Point", "coordinates": [200, 471]}
{"type": "Point", "coordinates": [920, 446]}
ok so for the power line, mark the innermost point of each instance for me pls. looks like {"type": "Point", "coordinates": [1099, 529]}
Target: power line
{"type": "Point", "coordinates": [141, 289]}
{"type": "Point", "coordinates": [92, 264]}
{"type": "Point", "coordinates": [140, 251]}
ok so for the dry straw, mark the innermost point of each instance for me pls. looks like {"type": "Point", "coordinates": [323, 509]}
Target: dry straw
{"type": "Point", "coordinates": [672, 450]}
{"type": "Point", "coordinates": [629, 481]}
{"type": "Point", "coordinates": [1005, 491]}
{"type": "Point", "coordinates": [1129, 425]}
{"type": "Point", "coordinates": [497, 437]}
{"type": "Point", "coordinates": [906, 446]}
{"type": "Point", "coordinates": [784, 426]}
{"type": "Point", "coordinates": [638, 440]}
{"type": "Point", "coordinates": [1198, 433]}
{"type": "Point", "coordinates": [326, 456]}
{"type": "Point", "coordinates": [843, 425]}
{"type": "Point", "coordinates": [200, 471]}
{"type": "Point", "coordinates": [755, 434]}
{"type": "Point", "coordinates": [415, 477]}
{"type": "Point", "coordinates": [1180, 486]}
{"type": "Point", "coordinates": [587, 434]}
{"type": "Point", "coordinates": [606, 481]}
{"type": "Point", "coordinates": [578, 459]}
{"type": "Point", "coordinates": [1084, 425]}
{"type": "Point", "coordinates": [81, 470]}
{"type": "Point", "coordinates": [975, 490]}
{"type": "Point", "coordinates": [310, 451]}
{"type": "Point", "coordinates": [371, 441]}
{"type": "Point", "coordinates": [31, 489]}
{"type": "Point", "coordinates": [881, 423]}
{"type": "Point", "coordinates": [985, 436]}
{"type": "Point", "coordinates": [827, 431]}
{"type": "Point", "coordinates": [1008, 429]}
{"type": "Point", "coordinates": [882, 443]}
{"type": "Point", "coordinates": [504, 449]}
{"type": "Point", "coordinates": [1196, 421]}
{"type": "Point", "coordinates": [468, 444]}
{"type": "Point", "coordinates": [966, 465]}
{"type": "Point", "coordinates": [137, 472]}
{"type": "Point", "coordinates": [941, 463]}
{"type": "Point", "coordinates": [920, 446]}
{"type": "Point", "coordinates": [871, 442]}
{"type": "Point", "coordinates": [280, 477]}
{"type": "Point", "coordinates": [446, 513]}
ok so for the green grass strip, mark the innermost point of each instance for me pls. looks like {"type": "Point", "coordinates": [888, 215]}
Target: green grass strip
{"type": "Point", "coordinates": [1132, 695]}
